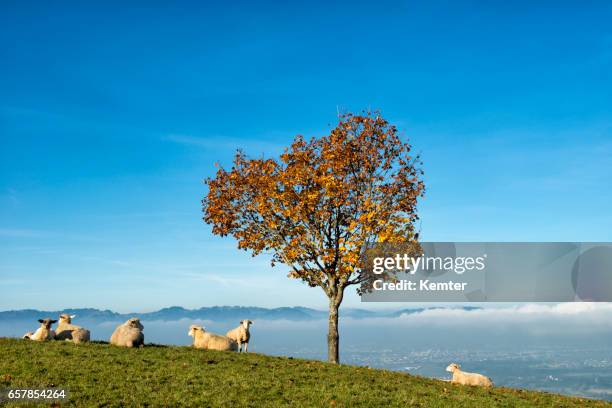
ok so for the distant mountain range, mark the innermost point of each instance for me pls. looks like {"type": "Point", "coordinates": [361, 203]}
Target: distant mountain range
{"type": "Point", "coordinates": [215, 313]}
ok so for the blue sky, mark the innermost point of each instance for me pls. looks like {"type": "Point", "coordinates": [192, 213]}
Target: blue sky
{"type": "Point", "coordinates": [111, 117]}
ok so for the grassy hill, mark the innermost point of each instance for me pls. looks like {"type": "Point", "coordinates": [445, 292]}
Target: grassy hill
{"type": "Point", "coordinates": [101, 375]}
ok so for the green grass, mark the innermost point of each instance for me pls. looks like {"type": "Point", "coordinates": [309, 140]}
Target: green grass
{"type": "Point", "coordinates": [101, 375]}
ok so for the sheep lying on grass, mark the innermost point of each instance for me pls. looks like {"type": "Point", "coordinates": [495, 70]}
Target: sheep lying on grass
{"type": "Point", "coordinates": [128, 334]}
{"type": "Point", "coordinates": [43, 333]}
{"type": "Point", "coordinates": [241, 335]}
{"type": "Point", "coordinates": [461, 377]}
{"type": "Point", "coordinates": [68, 331]}
{"type": "Point", "coordinates": [210, 341]}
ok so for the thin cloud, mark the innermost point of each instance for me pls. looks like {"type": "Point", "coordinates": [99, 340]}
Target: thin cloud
{"type": "Point", "coordinates": [227, 143]}
{"type": "Point", "coordinates": [32, 233]}
{"type": "Point", "coordinates": [192, 140]}
{"type": "Point", "coordinates": [243, 282]}
{"type": "Point", "coordinates": [21, 233]}
{"type": "Point", "coordinates": [12, 196]}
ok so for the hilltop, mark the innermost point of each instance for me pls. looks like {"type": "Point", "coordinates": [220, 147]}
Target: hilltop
{"type": "Point", "coordinates": [100, 375]}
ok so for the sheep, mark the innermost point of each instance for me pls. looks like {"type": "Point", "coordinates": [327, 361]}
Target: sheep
{"type": "Point", "coordinates": [44, 332]}
{"type": "Point", "coordinates": [128, 334]}
{"type": "Point", "coordinates": [461, 377]}
{"type": "Point", "coordinates": [68, 331]}
{"type": "Point", "coordinates": [210, 341]}
{"type": "Point", "coordinates": [241, 335]}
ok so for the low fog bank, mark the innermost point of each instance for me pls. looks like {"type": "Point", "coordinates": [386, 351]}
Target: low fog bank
{"type": "Point", "coordinates": [568, 324]}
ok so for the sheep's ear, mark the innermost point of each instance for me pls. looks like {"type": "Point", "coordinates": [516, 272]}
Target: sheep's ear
{"type": "Point", "coordinates": [241, 322]}
{"type": "Point", "coordinates": [40, 321]}
{"type": "Point", "coordinates": [250, 322]}
{"type": "Point", "coordinates": [53, 321]}
{"type": "Point", "coordinates": [72, 316]}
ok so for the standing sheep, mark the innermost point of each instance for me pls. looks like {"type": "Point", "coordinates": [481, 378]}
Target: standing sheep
{"type": "Point", "coordinates": [461, 377]}
{"type": "Point", "coordinates": [128, 334]}
{"type": "Point", "coordinates": [241, 335]}
{"type": "Point", "coordinates": [210, 341]}
{"type": "Point", "coordinates": [43, 333]}
{"type": "Point", "coordinates": [68, 331]}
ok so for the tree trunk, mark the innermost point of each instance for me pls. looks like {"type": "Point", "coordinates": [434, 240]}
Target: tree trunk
{"type": "Point", "coordinates": [333, 338]}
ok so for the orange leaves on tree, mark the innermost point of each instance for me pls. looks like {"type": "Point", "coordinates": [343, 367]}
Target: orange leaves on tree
{"type": "Point", "coordinates": [324, 201]}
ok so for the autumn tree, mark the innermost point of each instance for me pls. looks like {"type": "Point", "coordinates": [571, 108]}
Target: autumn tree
{"type": "Point", "coordinates": [319, 206]}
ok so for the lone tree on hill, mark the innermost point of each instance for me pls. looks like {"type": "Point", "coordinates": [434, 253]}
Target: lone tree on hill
{"type": "Point", "coordinates": [319, 206]}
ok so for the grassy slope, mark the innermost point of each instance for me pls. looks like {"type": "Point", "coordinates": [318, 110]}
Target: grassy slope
{"type": "Point", "coordinates": [100, 375]}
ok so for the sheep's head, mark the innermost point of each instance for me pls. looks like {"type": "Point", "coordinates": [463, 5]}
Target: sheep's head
{"type": "Point", "coordinates": [135, 323]}
{"type": "Point", "coordinates": [246, 323]}
{"type": "Point", "coordinates": [66, 318]}
{"type": "Point", "coordinates": [453, 367]}
{"type": "Point", "coordinates": [46, 323]}
{"type": "Point", "coordinates": [193, 329]}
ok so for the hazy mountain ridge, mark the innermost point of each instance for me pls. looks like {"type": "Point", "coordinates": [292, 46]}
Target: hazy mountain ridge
{"type": "Point", "coordinates": [214, 313]}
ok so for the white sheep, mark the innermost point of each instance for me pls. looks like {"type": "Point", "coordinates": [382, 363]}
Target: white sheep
{"type": "Point", "coordinates": [461, 377]}
{"type": "Point", "coordinates": [210, 341]}
{"type": "Point", "coordinates": [128, 334]}
{"type": "Point", "coordinates": [67, 331]}
{"type": "Point", "coordinates": [43, 333]}
{"type": "Point", "coordinates": [241, 334]}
